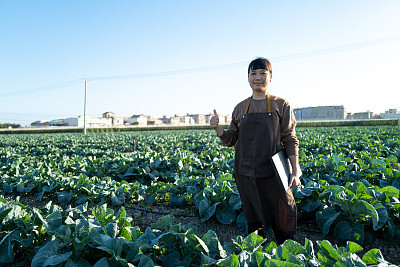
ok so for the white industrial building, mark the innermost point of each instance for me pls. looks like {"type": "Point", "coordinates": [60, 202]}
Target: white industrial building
{"type": "Point", "coordinates": [115, 121]}
{"type": "Point", "coordinates": [154, 122]}
{"type": "Point", "coordinates": [392, 113]}
{"type": "Point", "coordinates": [90, 122]}
{"type": "Point", "coordinates": [173, 121]}
{"type": "Point", "coordinates": [320, 113]}
{"type": "Point", "coordinates": [198, 118]}
{"type": "Point", "coordinates": [186, 120]}
{"type": "Point", "coordinates": [140, 120]}
{"type": "Point", "coordinates": [360, 115]}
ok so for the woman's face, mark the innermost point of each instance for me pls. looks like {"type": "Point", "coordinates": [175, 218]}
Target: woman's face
{"type": "Point", "coordinates": [259, 80]}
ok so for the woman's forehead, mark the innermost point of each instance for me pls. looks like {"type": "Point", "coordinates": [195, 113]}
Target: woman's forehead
{"type": "Point", "coordinates": [258, 70]}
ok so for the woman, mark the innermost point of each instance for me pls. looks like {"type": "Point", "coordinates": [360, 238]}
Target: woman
{"type": "Point", "coordinates": [261, 126]}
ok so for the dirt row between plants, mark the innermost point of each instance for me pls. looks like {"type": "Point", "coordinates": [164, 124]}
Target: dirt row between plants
{"type": "Point", "coordinates": [226, 233]}
{"type": "Point", "coordinates": [143, 216]}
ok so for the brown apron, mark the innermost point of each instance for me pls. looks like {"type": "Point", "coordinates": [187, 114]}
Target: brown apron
{"type": "Point", "coordinates": [262, 196]}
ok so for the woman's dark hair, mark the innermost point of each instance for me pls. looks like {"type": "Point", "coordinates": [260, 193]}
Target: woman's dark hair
{"type": "Point", "coordinates": [260, 63]}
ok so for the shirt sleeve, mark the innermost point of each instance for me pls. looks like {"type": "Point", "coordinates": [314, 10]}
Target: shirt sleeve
{"type": "Point", "coordinates": [230, 136]}
{"type": "Point", "coordinates": [288, 132]}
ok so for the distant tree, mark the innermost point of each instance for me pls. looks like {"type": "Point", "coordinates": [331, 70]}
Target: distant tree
{"type": "Point", "coordinates": [7, 125]}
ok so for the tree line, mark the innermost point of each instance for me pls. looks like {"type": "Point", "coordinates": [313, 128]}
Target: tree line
{"type": "Point", "coordinates": [7, 125]}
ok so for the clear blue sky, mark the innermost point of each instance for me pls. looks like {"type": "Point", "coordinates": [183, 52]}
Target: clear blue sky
{"type": "Point", "coordinates": [178, 57]}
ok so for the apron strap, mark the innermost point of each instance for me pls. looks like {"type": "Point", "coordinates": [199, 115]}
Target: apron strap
{"type": "Point", "coordinates": [268, 104]}
{"type": "Point", "coordinates": [247, 106]}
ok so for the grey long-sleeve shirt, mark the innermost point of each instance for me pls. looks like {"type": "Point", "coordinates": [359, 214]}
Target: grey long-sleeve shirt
{"type": "Point", "coordinates": [283, 117]}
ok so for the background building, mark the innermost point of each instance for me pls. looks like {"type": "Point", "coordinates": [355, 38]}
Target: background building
{"type": "Point", "coordinates": [198, 118]}
{"type": "Point", "coordinates": [222, 119]}
{"type": "Point", "coordinates": [42, 123]}
{"type": "Point", "coordinates": [174, 121]}
{"type": "Point", "coordinates": [392, 113]}
{"type": "Point", "coordinates": [137, 120]}
{"type": "Point", "coordinates": [115, 121]}
{"type": "Point", "coordinates": [360, 116]}
{"type": "Point", "coordinates": [90, 122]}
{"type": "Point", "coordinates": [155, 122]}
{"type": "Point", "coordinates": [320, 113]}
{"type": "Point", "coordinates": [187, 120]}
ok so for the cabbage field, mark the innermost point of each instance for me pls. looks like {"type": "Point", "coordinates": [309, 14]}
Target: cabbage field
{"type": "Point", "coordinates": [350, 192]}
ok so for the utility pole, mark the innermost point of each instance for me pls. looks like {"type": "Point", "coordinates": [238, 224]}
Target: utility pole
{"type": "Point", "coordinates": [84, 113]}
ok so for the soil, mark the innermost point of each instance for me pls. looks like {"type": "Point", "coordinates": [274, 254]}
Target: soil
{"type": "Point", "coordinates": [144, 216]}
{"type": "Point", "coordinates": [226, 233]}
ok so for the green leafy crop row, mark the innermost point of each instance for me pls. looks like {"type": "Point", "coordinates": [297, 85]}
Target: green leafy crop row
{"type": "Point", "coordinates": [350, 175]}
{"type": "Point", "coordinates": [98, 237]}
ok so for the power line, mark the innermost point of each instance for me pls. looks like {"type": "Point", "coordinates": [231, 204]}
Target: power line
{"type": "Point", "coordinates": [311, 53]}
{"type": "Point", "coordinates": [244, 63]}
{"type": "Point", "coordinates": [42, 89]}
{"type": "Point", "coordinates": [168, 73]}
{"type": "Point", "coordinates": [12, 120]}
{"type": "Point", "coordinates": [337, 49]}
{"type": "Point", "coordinates": [2, 113]}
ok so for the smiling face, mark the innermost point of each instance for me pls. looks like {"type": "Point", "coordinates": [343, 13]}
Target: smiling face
{"type": "Point", "coordinates": [259, 80]}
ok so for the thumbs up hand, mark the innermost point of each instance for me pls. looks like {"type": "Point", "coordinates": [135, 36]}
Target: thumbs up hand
{"type": "Point", "coordinates": [214, 121]}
